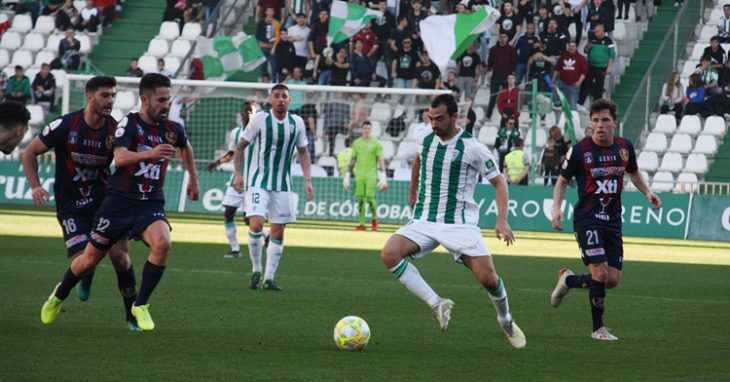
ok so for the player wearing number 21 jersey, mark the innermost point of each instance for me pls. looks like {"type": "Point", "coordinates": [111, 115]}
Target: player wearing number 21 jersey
{"type": "Point", "coordinates": [598, 164]}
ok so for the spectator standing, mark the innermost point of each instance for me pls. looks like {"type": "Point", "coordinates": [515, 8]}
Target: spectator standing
{"type": "Point", "coordinates": [362, 71]}
{"type": "Point", "coordinates": [299, 36]}
{"type": "Point", "coordinates": [561, 145]}
{"type": "Point", "coordinates": [294, 8]}
{"type": "Point", "coordinates": [323, 65]}
{"type": "Point", "coordinates": [597, 14]}
{"type": "Point", "coordinates": [18, 88]}
{"type": "Point", "coordinates": [541, 64]}
{"type": "Point", "coordinates": [318, 36]}
{"type": "Point", "coordinates": [285, 54]}
{"type": "Point", "coordinates": [509, 23]}
{"type": "Point", "coordinates": [404, 66]}
{"type": "Point", "coordinates": [644, 7]}
{"type": "Point", "coordinates": [340, 69]}
{"type": "Point", "coordinates": [577, 7]}
{"type": "Point", "coordinates": [502, 61]}
{"type": "Point", "coordinates": [555, 39]}
{"type": "Point", "coordinates": [276, 5]}
{"type": "Point", "coordinates": [134, 70]}
{"type": "Point", "coordinates": [468, 68]}
{"type": "Point", "coordinates": [267, 33]}
{"type": "Point", "coordinates": [525, 47]}
{"type": "Point", "coordinates": [44, 86]}
{"type": "Point", "coordinates": [415, 17]}
{"type": "Point", "coordinates": [601, 52]}
{"type": "Point", "coordinates": [509, 100]}
{"type": "Point", "coordinates": [623, 9]}
{"type": "Point", "coordinates": [517, 164]}
{"type": "Point", "coordinates": [550, 163]}
{"type": "Point", "coordinates": [382, 27]}
{"type": "Point", "coordinates": [428, 75]}
{"type": "Point", "coordinates": [672, 96]}
{"type": "Point", "coordinates": [506, 136]}
{"type": "Point", "coordinates": [369, 40]}
{"type": "Point", "coordinates": [296, 96]}
{"type": "Point", "coordinates": [569, 73]}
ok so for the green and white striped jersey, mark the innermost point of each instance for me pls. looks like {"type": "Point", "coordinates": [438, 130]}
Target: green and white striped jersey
{"type": "Point", "coordinates": [449, 172]}
{"type": "Point", "coordinates": [234, 137]}
{"type": "Point", "coordinates": [273, 143]}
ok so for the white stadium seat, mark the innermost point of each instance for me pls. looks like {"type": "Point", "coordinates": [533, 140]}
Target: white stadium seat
{"type": "Point", "coordinates": [576, 121]}
{"type": "Point", "coordinates": [317, 172]}
{"type": "Point", "coordinates": [388, 149]}
{"type": "Point", "coordinates": [681, 143]}
{"type": "Point", "coordinates": [180, 48]}
{"type": "Point", "coordinates": [125, 100]}
{"type": "Point", "coordinates": [172, 64]}
{"type": "Point", "coordinates": [706, 144]}
{"type": "Point", "coordinates": [402, 174]}
{"type": "Point", "coordinates": [52, 43]}
{"type": "Point", "coordinates": [10, 41]}
{"type": "Point", "coordinates": [666, 124]}
{"type": "Point", "coordinates": [9, 71]}
{"type": "Point", "coordinates": [22, 24]}
{"type": "Point", "coordinates": [663, 182]}
{"type": "Point", "coordinates": [191, 31]}
{"type": "Point", "coordinates": [396, 164]}
{"type": "Point", "coordinates": [690, 124]}
{"type": "Point", "coordinates": [715, 125]}
{"type": "Point", "coordinates": [380, 112]}
{"type": "Point", "coordinates": [43, 57]}
{"type": "Point", "coordinates": [4, 58]}
{"type": "Point", "coordinates": [169, 30]}
{"type": "Point", "coordinates": [44, 24]}
{"type": "Point", "coordinates": [79, 4]}
{"type": "Point", "coordinates": [60, 76]}
{"type": "Point", "coordinates": [488, 135]}
{"type": "Point", "coordinates": [671, 162]}
{"type": "Point", "coordinates": [687, 182]}
{"type": "Point", "coordinates": [36, 114]}
{"type": "Point", "coordinates": [688, 68]}
{"type": "Point", "coordinates": [479, 113]}
{"type": "Point", "coordinates": [540, 137]}
{"type": "Point", "coordinates": [707, 32]}
{"type": "Point", "coordinates": [34, 42]}
{"type": "Point", "coordinates": [157, 47]}
{"type": "Point", "coordinates": [656, 142]}
{"type": "Point", "coordinates": [327, 161]}
{"type": "Point", "coordinates": [319, 146]}
{"type": "Point", "coordinates": [697, 51]}
{"type": "Point", "coordinates": [84, 43]}
{"type": "Point", "coordinates": [31, 72]}
{"type": "Point", "coordinates": [148, 64]}
{"type": "Point", "coordinates": [648, 161]}
{"type": "Point", "coordinates": [619, 32]}
{"type": "Point", "coordinates": [696, 163]}
{"type": "Point", "coordinates": [407, 150]}
{"type": "Point", "coordinates": [377, 129]}
{"type": "Point", "coordinates": [23, 58]}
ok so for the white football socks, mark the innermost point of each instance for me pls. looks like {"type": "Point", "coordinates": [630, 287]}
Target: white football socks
{"type": "Point", "coordinates": [273, 255]}
{"type": "Point", "coordinates": [231, 235]}
{"type": "Point", "coordinates": [409, 276]}
{"type": "Point", "coordinates": [255, 247]}
{"type": "Point", "coordinates": [498, 296]}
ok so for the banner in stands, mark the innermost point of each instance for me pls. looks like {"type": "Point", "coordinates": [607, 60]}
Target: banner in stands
{"type": "Point", "coordinates": [529, 206]}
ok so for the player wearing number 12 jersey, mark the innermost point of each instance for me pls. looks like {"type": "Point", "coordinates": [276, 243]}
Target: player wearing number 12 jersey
{"type": "Point", "coordinates": [82, 143]}
{"type": "Point", "coordinates": [598, 164]}
{"type": "Point", "coordinates": [144, 145]}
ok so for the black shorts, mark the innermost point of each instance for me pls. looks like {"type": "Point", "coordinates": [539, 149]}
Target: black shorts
{"type": "Point", "coordinates": [118, 217]}
{"type": "Point", "coordinates": [600, 244]}
{"type": "Point", "coordinates": [76, 227]}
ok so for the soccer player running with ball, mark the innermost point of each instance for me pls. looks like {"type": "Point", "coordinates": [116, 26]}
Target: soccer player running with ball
{"type": "Point", "coordinates": [234, 199]}
{"type": "Point", "coordinates": [368, 154]}
{"type": "Point", "coordinates": [275, 135]}
{"type": "Point", "coordinates": [144, 144]}
{"type": "Point", "coordinates": [598, 163]}
{"type": "Point", "coordinates": [443, 179]}
{"type": "Point", "coordinates": [82, 143]}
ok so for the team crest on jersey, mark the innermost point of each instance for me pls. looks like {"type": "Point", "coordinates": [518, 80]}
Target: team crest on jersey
{"type": "Point", "coordinates": [170, 136]}
{"type": "Point", "coordinates": [109, 141]}
{"type": "Point", "coordinates": [489, 164]}
{"type": "Point", "coordinates": [72, 137]}
{"type": "Point", "coordinates": [624, 154]}
{"type": "Point", "coordinates": [140, 131]}
{"type": "Point", "coordinates": [588, 157]}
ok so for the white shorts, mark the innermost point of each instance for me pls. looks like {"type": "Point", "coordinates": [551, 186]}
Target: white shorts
{"type": "Point", "coordinates": [234, 198]}
{"type": "Point", "coordinates": [458, 239]}
{"type": "Point", "coordinates": [278, 204]}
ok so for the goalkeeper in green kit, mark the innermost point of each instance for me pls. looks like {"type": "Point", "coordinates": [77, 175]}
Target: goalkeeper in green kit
{"type": "Point", "coordinates": [368, 154]}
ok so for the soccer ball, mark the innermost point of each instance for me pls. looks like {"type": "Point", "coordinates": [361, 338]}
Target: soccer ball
{"type": "Point", "coordinates": [352, 333]}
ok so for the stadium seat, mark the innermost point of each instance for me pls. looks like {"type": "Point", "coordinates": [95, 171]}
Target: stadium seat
{"type": "Point", "coordinates": [157, 47]}
{"type": "Point", "coordinates": [688, 68]}
{"type": "Point", "coordinates": [125, 100]}
{"type": "Point", "coordinates": [671, 162]}
{"type": "Point", "coordinates": [36, 114]}
{"type": "Point", "coordinates": [388, 149]}
{"type": "Point", "coordinates": [117, 114]}
{"type": "Point", "coordinates": [696, 163]}
{"type": "Point", "coordinates": [22, 23]}
{"type": "Point", "coordinates": [10, 41]}
{"type": "Point", "coordinates": [681, 143]}
{"type": "Point", "coordinates": [396, 164]}
{"type": "Point", "coordinates": [339, 143]}
{"type": "Point", "coordinates": [479, 113]}
{"type": "Point", "coordinates": [576, 121]}
{"type": "Point", "coordinates": [707, 32]}
{"type": "Point", "coordinates": [715, 125]}
{"type": "Point", "coordinates": [84, 43]}
{"type": "Point", "coordinates": [317, 172]}
{"type": "Point", "coordinates": [180, 48]}
{"type": "Point", "coordinates": [60, 76]}
{"type": "Point", "coordinates": [191, 31]}
{"type": "Point", "coordinates": [43, 57]}
{"type": "Point", "coordinates": [52, 43]}
{"type": "Point", "coordinates": [697, 51]}
{"type": "Point", "coordinates": [4, 58]}
{"type": "Point", "coordinates": [31, 72]}
{"type": "Point", "coordinates": [172, 64]}
{"type": "Point", "coordinates": [34, 42]}
{"type": "Point", "coordinates": [380, 112]}
{"type": "Point", "coordinates": [327, 161]}
{"type": "Point", "coordinates": [402, 174]}
{"type": "Point", "coordinates": [656, 142]}
{"type": "Point", "coordinates": [690, 124]}
{"type": "Point", "coordinates": [319, 146]}
{"type": "Point", "coordinates": [148, 64]}
{"type": "Point", "coordinates": [488, 135]}
{"type": "Point", "coordinates": [79, 4]}
{"type": "Point", "coordinates": [648, 161]}
{"type": "Point", "coordinates": [377, 129]}
{"type": "Point", "coordinates": [540, 138]}
{"type": "Point", "coordinates": [23, 58]}
{"type": "Point", "coordinates": [9, 71]}
{"type": "Point", "coordinates": [44, 25]}
{"type": "Point", "coordinates": [666, 124]}
{"type": "Point", "coordinates": [706, 144]}
{"type": "Point", "coordinates": [687, 182]}
{"type": "Point", "coordinates": [407, 150]}
{"type": "Point", "coordinates": [662, 182]}
{"type": "Point", "coordinates": [169, 30]}
{"type": "Point", "coordinates": [619, 31]}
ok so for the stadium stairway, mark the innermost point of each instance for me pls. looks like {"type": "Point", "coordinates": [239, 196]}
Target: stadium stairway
{"type": "Point", "coordinates": [128, 36]}
{"type": "Point", "coordinates": [720, 168]}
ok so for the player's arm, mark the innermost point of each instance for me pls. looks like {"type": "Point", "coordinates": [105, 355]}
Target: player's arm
{"type": "Point", "coordinates": [638, 180]}
{"type": "Point", "coordinates": [558, 195]}
{"type": "Point", "coordinates": [382, 180]}
{"type": "Point", "coordinates": [306, 162]}
{"type": "Point", "coordinates": [186, 153]}
{"type": "Point", "coordinates": [30, 166]}
{"type": "Point", "coordinates": [237, 161]}
{"type": "Point", "coordinates": [227, 157]}
{"type": "Point", "coordinates": [502, 228]}
{"type": "Point", "coordinates": [123, 157]}
{"type": "Point", "coordinates": [415, 175]}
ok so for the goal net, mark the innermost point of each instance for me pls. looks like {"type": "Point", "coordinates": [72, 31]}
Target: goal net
{"type": "Point", "coordinates": [334, 116]}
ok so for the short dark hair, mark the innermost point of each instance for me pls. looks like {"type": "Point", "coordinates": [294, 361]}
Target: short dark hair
{"type": "Point", "coordinates": [519, 142]}
{"type": "Point", "coordinates": [715, 38]}
{"type": "Point", "coordinates": [367, 122]}
{"type": "Point", "coordinates": [726, 6]}
{"type": "Point", "coordinates": [13, 114]}
{"type": "Point", "coordinates": [602, 104]}
{"type": "Point", "coordinates": [151, 81]}
{"type": "Point", "coordinates": [447, 100]}
{"type": "Point", "coordinates": [706, 57]}
{"type": "Point", "coordinates": [18, 67]}
{"type": "Point", "coordinates": [280, 87]}
{"type": "Point", "coordinates": [97, 82]}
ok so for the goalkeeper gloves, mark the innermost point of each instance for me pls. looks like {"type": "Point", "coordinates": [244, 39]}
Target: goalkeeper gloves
{"type": "Point", "coordinates": [346, 181]}
{"type": "Point", "coordinates": [382, 182]}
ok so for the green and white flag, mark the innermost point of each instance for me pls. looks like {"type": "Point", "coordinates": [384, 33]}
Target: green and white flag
{"type": "Point", "coordinates": [223, 56]}
{"type": "Point", "coordinates": [346, 19]}
{"type": "Point", "coordinates": [447, 37]}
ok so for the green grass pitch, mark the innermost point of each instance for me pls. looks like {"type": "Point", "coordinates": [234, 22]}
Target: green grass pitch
{"type": "Point", "coordinates": [671, 313]}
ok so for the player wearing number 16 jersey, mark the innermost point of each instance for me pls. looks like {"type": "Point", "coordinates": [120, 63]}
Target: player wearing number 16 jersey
{"type": "Point", "coordinates": [82, 143]}
{"type": "Point", "coordinates": [598, 164]}
{"type": "Point", "coordinates": [144, 145]}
